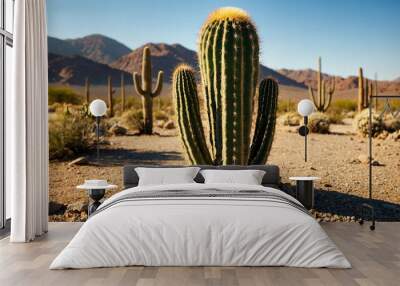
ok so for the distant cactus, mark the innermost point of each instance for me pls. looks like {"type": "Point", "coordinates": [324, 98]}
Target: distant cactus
{"type": "Point", "coordinates": [144, 88]}
{"type": "Point", "coordinates": [365, 91]}
{"type": "Point", "coordinates": [87, 91]}
{"type": "Point", "coordinates": [324, 96]}
{"type": "Point", "coordinates": [110, 93]}
{"type": "Point", "coordinates": [122, 92]}
{"type": "Point", "coordinates": [229, 62]}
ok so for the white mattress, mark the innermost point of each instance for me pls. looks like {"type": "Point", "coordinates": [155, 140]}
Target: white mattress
{"type": "Point", "coordinates": [200, 231]}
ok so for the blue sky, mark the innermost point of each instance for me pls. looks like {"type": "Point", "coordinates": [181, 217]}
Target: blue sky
{"type": "Point", "coordinates": [346, 33]}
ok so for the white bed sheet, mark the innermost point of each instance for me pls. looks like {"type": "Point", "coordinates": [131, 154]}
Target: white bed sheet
{"type": "Point", "coordinates": [200, 232]}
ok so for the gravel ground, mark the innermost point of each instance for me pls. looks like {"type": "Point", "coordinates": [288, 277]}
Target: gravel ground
{"type": "Point", "coordinates": [337, 158]}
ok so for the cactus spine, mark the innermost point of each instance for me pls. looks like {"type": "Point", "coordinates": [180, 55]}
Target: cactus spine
{"type": "Point", "coordinates": [229, 62]}
{"type": "Point", "coordinates": [365, 91]}
{"type": "Point", "coordinates": [122, 92]}
{"type": "Point", "coordinates": [324, 98]}
{"type": "Point", "coordinates": [87, 90]}
{"type": "Point", "coordinates": [110, 93]}
{"type": "Point", "coordinates": [143, 86]}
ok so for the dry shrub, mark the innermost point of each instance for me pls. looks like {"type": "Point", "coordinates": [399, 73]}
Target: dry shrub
{"type": "Point", "coordinates": [319, 123]}
{"type": "Point", "coordinates": [290, 119]}
{"type": "Point", "coordinates": [391, 124]}
{"type": "Point", "coordinates": [335, 118]}
{"type": "Point", "coordinates": [161, 115]}
{"type": "Point", "coordinates": [132, 119]}
{"type": "Point", "coordinates": [70, 133]}
{"type": "Point", "coordinates": [360, 123]}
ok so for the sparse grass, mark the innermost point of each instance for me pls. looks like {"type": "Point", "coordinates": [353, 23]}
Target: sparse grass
{"type": "Point", "coordinates": [286, 105]}
{"type": "Point", "coordinates": [341, 109]}
{"type": "Point", "coordinates": [343, 105]}
{"type": "Point", "coordinates": [63, 95]}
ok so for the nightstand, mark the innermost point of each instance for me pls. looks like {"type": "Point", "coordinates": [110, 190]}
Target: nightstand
{"type": "Point", "coordinates": [96, 190]}
{"type": "Point", "coordinates": [305, 190]}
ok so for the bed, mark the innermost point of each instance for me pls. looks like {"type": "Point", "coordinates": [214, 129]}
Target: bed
{"type": "Point", "coordinates": [197, 224]}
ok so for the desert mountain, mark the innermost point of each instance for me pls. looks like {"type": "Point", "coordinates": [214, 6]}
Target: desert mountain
{"type": "Point", "coordinates": [61, 47]}
{"type": "Point", "coordinates": [74, 70]}
{"type": "Point", "coordinates": [100, 48]}
{"type": "Point", "coordinates": [166, 57]}
{"type": "Point", "coordinates": [308, 77]}
{"type": "Point", "coordinates": [163, 57]}
{"type": "Point", "coordinates": [96, 47]}
{"type": "Point", "coordinates": [97, 56]}
{"type": "Point", "coordinates": [397, 79]}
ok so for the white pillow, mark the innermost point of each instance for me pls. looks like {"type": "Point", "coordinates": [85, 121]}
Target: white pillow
{"type": "Point", "coordinates": [166, 176]}
{"type": "Point", "coordinates": [248, 177]}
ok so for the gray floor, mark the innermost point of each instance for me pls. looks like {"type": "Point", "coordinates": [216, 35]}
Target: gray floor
{"type": "Point", "coordinates": [375, 257]}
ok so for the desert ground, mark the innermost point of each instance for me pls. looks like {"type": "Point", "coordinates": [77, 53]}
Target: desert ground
{"type": "Point", "coordinates": [339, 159]}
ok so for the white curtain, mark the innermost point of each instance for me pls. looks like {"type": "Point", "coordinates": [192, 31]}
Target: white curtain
{"type": "Point", "coordinates": [27, 145]}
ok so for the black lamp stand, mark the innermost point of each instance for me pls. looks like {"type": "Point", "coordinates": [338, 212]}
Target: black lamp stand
{"type": "Point", "coordinates": [98, 137]}
{"type": "Point", "coordinates": [303, 131]}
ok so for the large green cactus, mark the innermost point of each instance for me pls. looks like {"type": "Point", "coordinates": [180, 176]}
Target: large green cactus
{"type": "Point", "coordinates": [229, 62]}
{"type": "Point", "coordinates": [323, 101]}
{"type": "Point", "coordinates": [143, 86]}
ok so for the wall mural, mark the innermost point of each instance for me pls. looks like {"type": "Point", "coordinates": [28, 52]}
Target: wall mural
{"type": "Point", "coordinates": [168, 104]}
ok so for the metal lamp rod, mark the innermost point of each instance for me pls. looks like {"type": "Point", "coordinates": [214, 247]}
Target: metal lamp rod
{"type": "Point", "coordinates": [305, 138]}
{"type": "Point", "coordinates": [370, 148]}
{"type": "Point", "coordinates": [98, 137]}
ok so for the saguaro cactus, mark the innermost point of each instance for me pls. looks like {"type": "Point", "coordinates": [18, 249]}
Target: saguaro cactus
{"type": "Point", "coordinates": [87, 90]}
{"type": "Point", "coordinates": [229, 62]}
{"type": "Point", "coordinates": [144, 88]}
{"type": "Point", "coordinates": [110, 93]}
{"type": "Point", "coordinates": [122, 92]}
{"type": "Point", "coordinates": [324, 96]}
{"type": "Point", "coordinates": [365, 90]}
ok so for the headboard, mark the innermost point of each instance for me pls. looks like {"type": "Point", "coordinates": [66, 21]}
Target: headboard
{"type": "Point", "coordinates": [270, 179]}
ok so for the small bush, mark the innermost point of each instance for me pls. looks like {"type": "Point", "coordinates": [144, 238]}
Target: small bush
{"type": "Point", "coordinates": [319, 123]}
{"type": "Point", "coordinates": [133, 120]}
{"type": "Point", "coordinates": [63, 95]}
{"type": "Point", "coordinates": [335, 118]}
{"type": "Point", "coordinates": [289, 119]}
{"type": "Point", "coordinates": [361, 123]}
{"type": "Point", "coordinates": [391, 124]}
{"type": "Point", "coordinates": [70, 133]}
{"type": "Point", "coordinates": [161, 115]}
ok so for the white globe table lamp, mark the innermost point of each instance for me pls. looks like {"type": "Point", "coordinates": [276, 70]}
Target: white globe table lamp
{"type": "Point", "coordinates": [98, 108]}
{"type": "Point", "coordinates": [305, 108]}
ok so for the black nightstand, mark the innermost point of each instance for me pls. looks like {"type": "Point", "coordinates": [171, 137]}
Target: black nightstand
{"type": "Point", "coordinates": [305, 190]}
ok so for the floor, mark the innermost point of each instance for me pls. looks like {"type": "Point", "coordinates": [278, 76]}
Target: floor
{"type": "Point", "coordinates": [375, 256]}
